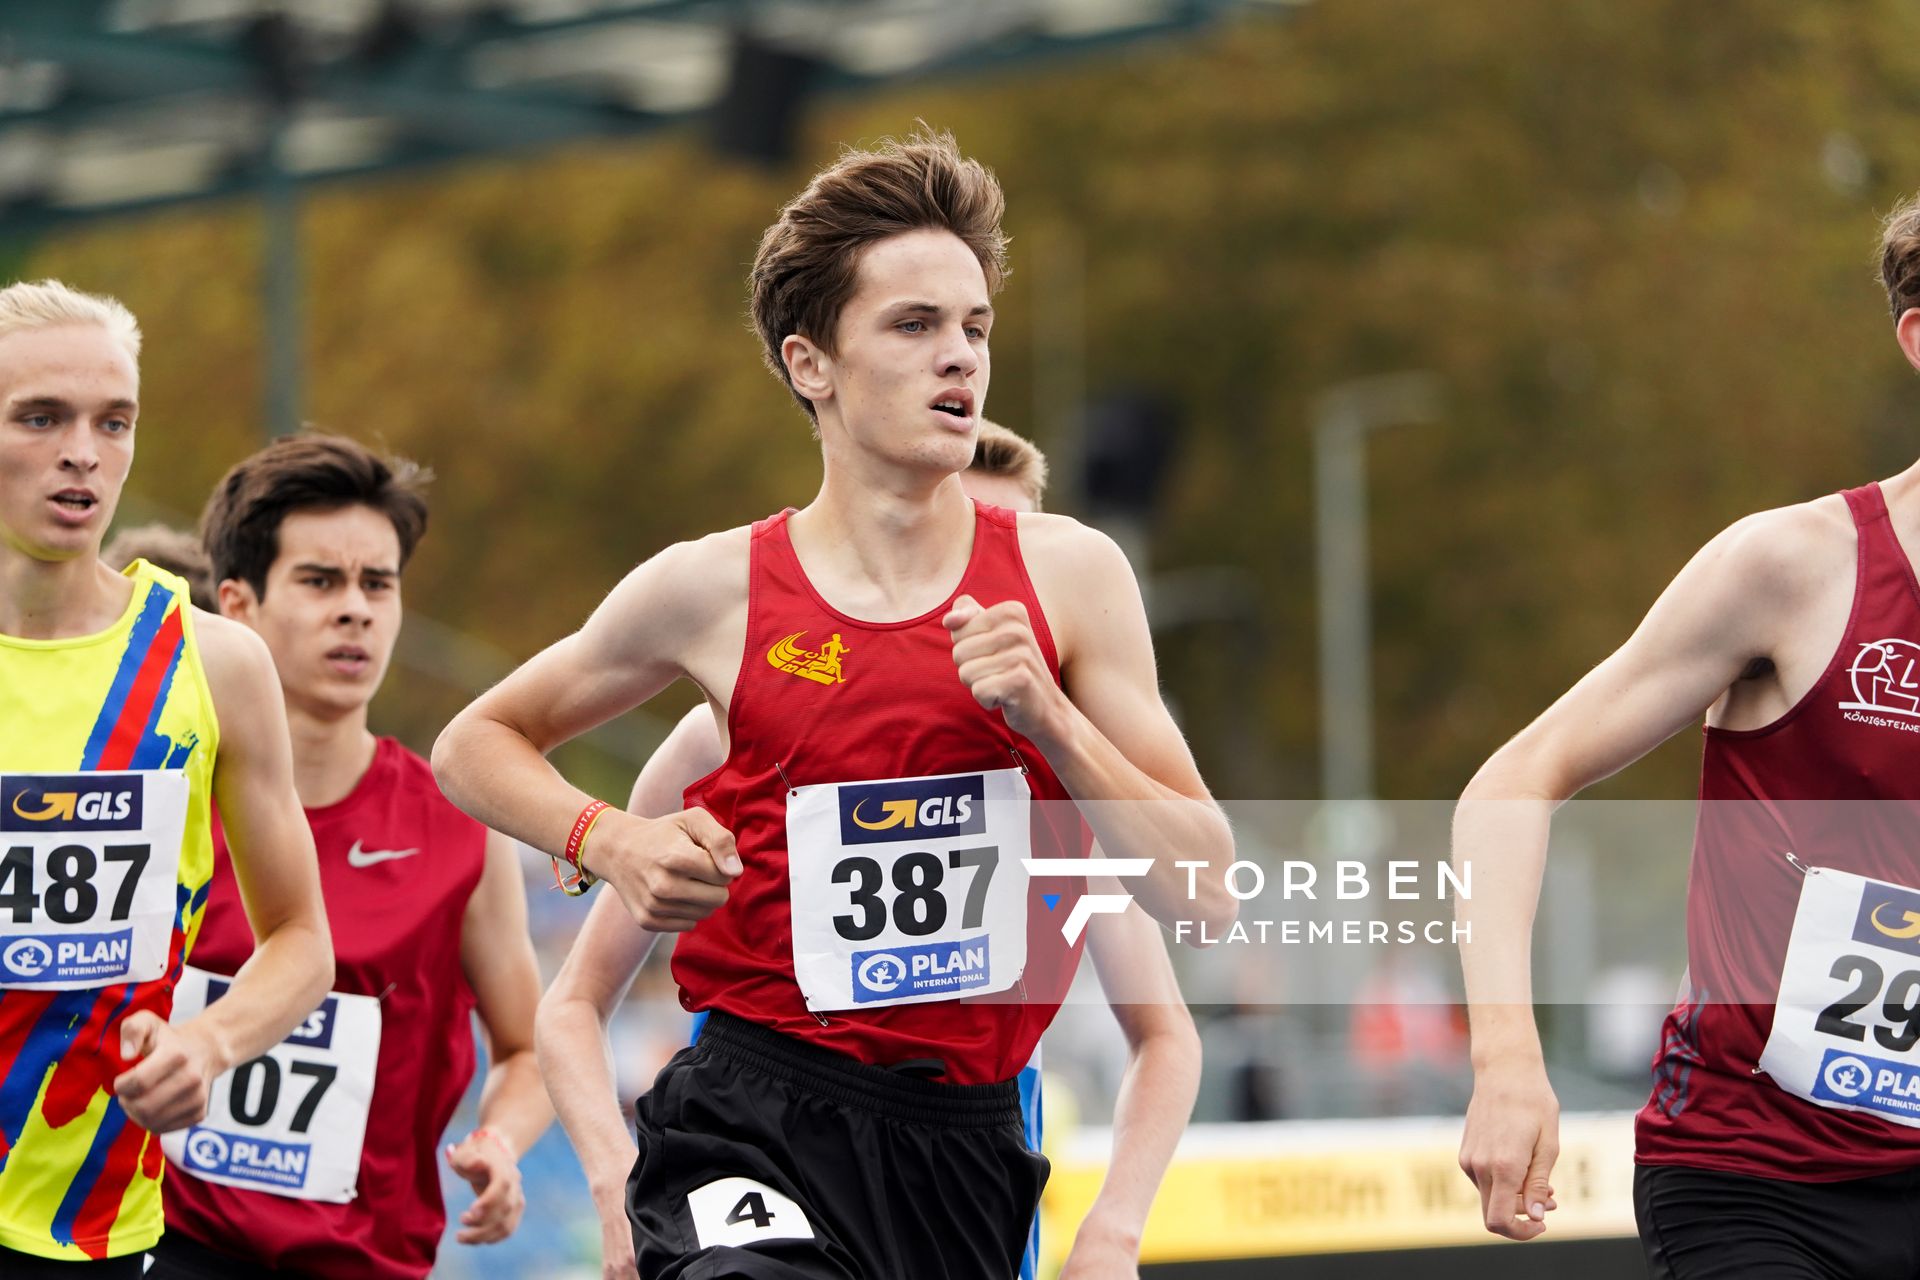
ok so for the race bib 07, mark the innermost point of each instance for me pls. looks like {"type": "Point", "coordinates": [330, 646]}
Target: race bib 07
{"type": "Point", "coordinates": [89, 864]}
{"type": "Point", "coordinates": [909, 890]}
{"type": "Point", "coordinates": [293, 1120]}
{"type": "Point", "coordinates": [1846, 1027]}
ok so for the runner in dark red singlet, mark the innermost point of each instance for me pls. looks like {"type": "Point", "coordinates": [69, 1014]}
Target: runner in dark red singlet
{"type": "Point", "coordinates": [320, 1158]}
{"type": "Point", "coordinates": [900, 675]}
{"type": "Point", "coordinates": [1782, 1138]}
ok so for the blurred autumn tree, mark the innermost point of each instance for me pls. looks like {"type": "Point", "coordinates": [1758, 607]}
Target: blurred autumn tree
{"type": "Point", "coordinates": [1634, 238]}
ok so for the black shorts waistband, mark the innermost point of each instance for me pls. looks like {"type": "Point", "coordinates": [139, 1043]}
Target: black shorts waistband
{"type": "Point", "coordinates": [852, 1083]}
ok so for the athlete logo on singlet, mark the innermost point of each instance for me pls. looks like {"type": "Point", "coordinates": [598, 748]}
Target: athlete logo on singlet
{"type": "Point", "coordinates": [822, 665]}
{"type": "Point", "coordinates": [1886, 680]}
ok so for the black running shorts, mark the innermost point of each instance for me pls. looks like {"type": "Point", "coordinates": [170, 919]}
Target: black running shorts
{"type": "Point", "coordinates": [767, 1158]}
{"type": "Point", "coordinates": [29, 1266]}
{"type": "Point", "coordinates": [1699, 1225]}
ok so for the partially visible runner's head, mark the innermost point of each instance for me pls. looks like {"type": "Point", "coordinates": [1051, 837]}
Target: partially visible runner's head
{"type": "Point", "coordinates": [871, 295]}
{"type": "Point", "coordinates": [1008, 470]}
{"type": "Point", "coordinates": [307, 540]}
{"type": "Point", "coordinates": [69, 397]}
{"type": "Point", "coordinates": [1900, 257]}
{"type": "Point", "coordinates": [165, 547]}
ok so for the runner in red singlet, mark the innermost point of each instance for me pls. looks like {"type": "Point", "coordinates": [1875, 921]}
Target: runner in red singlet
{"type": "Point", "coordinates": [319, 1158]}
{"type": "Point", "coordinates": [1783, 1135]}
{"type": "Point", "coordinates": [900, 673]}
{"type": "Point", "coordinates": [1128, 951]}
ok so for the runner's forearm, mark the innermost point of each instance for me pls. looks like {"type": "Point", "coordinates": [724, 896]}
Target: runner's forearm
{"type": "Point", "coordinates": [496, 775]}
{"type": "Point", "coordinates": [514, 1103]}
{"type": "Point", "coordinates": [574, 1054]}
{"type": "Point", "coordinates": [289, 973]}
{"type": "Point", "coordinates": [1152, 821]}
{"type": "Point", "coordinates": [1149, 1115]}
{"type": "Point", "coordinates": [1500, 838]}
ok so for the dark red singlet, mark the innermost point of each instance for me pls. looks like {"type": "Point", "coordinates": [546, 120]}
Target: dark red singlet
{"type": "Point", "coordinates": [1709, 1110]}
{"type": "Point", "coordinates": [396, 924]}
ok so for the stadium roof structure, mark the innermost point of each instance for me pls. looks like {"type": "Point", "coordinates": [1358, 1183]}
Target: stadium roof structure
{"type": "Point", "coordinates": [107, 106]}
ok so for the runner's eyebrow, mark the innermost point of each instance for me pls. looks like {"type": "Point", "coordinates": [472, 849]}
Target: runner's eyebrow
{"type": "Point", "coordinates": [935, 309]}
{"type": "Point", "coordinates": [336, 571]}
{"type": "Point", "coordinates": [62, 403]}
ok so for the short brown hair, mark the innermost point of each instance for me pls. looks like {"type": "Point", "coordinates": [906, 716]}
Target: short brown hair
{"type": "Point", "coordinates": [1900, 257]}
{"type": "Point", "coordinates": [309, 472]}
{"type": "Point", "coordinates": [999, 452]}
{"type": "Point", "coordinates": [805, 270]}
{"type": "Point", "coordinates": [165, 547]}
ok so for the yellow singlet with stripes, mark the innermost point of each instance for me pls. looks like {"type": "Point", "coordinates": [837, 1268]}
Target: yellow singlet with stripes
{"type": "Point", "coordinates": [78, 908]}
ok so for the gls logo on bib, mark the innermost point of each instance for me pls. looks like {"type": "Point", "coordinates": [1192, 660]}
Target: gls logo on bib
{"type": "Point", "coordinates": [73, 802]}
{"type": "Point", "coordinates": [913, 809]}
{"type": "Point", "coordinates": [1889, 917]}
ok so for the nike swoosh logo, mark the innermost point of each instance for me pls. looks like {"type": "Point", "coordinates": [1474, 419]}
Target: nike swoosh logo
{"type": "Point", "coordinates": [358, 857]}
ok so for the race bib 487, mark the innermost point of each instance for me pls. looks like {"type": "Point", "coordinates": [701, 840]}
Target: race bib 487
{"type": "Point", "coordinates": [88, 865]}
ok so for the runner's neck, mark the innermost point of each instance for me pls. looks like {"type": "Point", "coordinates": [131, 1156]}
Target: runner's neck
{"type": "Point", "coordinates": [1902, 496]}
{"type": "Point", "coordinates": [879, 555]}
{"type": "Point", "coordinates": [58, 600]}
{"type": "Point", "coordinates": [330, 755]}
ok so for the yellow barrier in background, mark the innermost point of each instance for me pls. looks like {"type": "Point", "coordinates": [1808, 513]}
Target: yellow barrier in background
{"type": "Point", "coordinates": [1299, 1187]}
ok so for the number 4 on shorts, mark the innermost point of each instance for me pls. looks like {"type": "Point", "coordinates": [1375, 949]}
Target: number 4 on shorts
{"type": "Point", "coordinates": [752, 1208]}
{"type": "Point", "coordinates": [739, 1211]}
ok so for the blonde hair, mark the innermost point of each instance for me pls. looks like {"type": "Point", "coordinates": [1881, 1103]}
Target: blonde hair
{"type": "Point", "coordinates": [999, 452]}
{"type": "Point", "coordinates": [47, 304]}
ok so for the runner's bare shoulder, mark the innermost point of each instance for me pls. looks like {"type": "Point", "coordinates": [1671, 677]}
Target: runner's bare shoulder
{"type": "Point", "coordinates": [683, 593]}
{"type": "Point", "coordinates": [1787, 556]}
{"type": "Point", "coordinates": [232, 654]}
{"type": "Point", "coordinates": [1061, 550]}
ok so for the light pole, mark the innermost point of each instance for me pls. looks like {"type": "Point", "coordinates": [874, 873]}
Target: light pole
{"type": "Point", "coordinates": [280, 271]}
{"type": "Point", "coordinates": [1343, 417]}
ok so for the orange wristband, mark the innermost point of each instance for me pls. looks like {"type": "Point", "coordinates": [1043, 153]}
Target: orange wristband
{"type": "Point", "coordinates": [497, 1141]}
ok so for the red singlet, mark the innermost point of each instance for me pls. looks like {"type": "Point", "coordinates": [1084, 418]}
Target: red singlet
{"type": "Point", "coordinates": [1709, 1110]}
{"type": "Point", "coordinates": [397, 865]}
{"type": "Point", "coordinates": [831, 698]}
